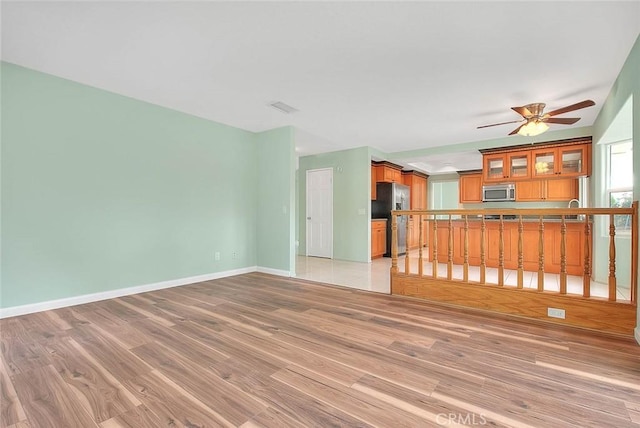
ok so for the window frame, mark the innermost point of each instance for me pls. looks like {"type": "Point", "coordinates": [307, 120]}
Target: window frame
{"type": "Point", "coordinates": [608, 190]}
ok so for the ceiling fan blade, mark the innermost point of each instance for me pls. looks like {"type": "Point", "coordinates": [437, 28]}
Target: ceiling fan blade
{"type": "Point", "coordinates": [501, 123]}
{"type": "Point", "coordinates": [522, 111]}
{"type": "Point", "coordinates": [562, 120]}
{"type": "Point", "coordinates": [515, 131]}
{"type": "Point", "coordinates": [572, 107]}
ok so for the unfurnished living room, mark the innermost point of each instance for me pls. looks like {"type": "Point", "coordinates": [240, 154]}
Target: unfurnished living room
{"type": "Point", "coordinates": [311, 214]}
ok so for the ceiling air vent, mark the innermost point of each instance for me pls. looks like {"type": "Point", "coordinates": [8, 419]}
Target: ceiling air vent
{"type": "Point", "coordinates": [282, 107]}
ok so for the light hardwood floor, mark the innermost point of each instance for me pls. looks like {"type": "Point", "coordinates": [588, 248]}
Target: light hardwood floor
{"type": "Point", "coordinates": [258, 350]}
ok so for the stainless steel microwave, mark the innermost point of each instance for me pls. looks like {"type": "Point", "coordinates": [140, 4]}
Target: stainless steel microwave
{"type": "Point", "coordinates": [499, 192]}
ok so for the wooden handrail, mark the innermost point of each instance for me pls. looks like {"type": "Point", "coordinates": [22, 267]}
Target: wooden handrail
{"type": "Point", "coordinates": [456, 244]}
{"type": "Point", "coordinates": [521, 211]}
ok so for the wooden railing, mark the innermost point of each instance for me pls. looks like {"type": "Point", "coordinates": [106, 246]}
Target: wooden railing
{"type": "Point", "coordinates": [531, 241]}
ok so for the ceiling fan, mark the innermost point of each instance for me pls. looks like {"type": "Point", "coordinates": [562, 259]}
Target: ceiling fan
{"type": "Point", "coordinates": [535, 121]}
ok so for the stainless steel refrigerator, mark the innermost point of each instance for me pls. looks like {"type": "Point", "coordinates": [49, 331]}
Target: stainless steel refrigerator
{"type": "Point", "coordinates": [392, 196]}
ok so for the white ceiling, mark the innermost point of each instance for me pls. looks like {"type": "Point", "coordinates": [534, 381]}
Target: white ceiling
{"type": "Point", "coordinates": [392, 75]}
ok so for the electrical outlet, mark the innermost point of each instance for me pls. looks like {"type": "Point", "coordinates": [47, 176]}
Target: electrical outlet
{"type": "Point", "coordinates": [556, 313]}
{"type": "Point", "coordinates": [234, 255]}
{"type": "Point", "coordinates": [217, 256]}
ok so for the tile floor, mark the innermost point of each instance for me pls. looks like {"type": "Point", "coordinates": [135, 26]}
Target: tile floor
{"type": "Point", "coordinates": [374, 276]}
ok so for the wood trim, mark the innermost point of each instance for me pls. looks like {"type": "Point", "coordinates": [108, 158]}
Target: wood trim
{"type": "Point", "coordinates": [386, 163]}
{"type": "Point", "coordinates": [416, 173]}
{"type": "Point", "coordinates": [541, 145]}
{"type": "Point", "coordinates": [470, 171]}
{"type": "Point", "coordinates": [13, 311]}
{"type": "Point", "coordinates": [590, 313]}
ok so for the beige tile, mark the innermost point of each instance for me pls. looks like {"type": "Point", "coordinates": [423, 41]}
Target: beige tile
{"type": "Point", "coordinates": [374, 276]}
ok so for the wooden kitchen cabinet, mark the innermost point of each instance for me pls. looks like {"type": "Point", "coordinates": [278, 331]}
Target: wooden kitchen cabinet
{"type": "Point", "coordinates": [417, 183]}
{"type": "Point", "coordinates": [565, 158]}
{"type": "Point", "coordinates": [563, 189]}
{"type": "Point", "coordinates": [560, 189]}
{"type": "Point", "coordinates": [569, 161]}
{"type": "Point", "coordinates": [386, 172]}
{"type": "Point", "coordinates": [378, 238]}
{"type": "Point", "coordinates": [507, 166]}
{"type": "Point", "coordinates": [470, 187]}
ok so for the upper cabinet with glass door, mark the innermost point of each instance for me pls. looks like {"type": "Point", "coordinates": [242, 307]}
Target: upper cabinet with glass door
{"type": "Point", "coordinates": [569, 161]}
{"type": "Point", "coordinates": [507, 166]}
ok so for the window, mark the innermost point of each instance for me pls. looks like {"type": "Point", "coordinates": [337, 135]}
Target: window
{"type": "Point", "coordinates": [619, 183]}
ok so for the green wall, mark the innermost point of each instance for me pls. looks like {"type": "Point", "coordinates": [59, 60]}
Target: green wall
{"type": "Point", "coordinates": [101, 192]}
{"type": "Point", "coordinates": [351, 195]}
{"type": "Point", "coordinates": [626, 85]}
{"type": "Point", "coordinates": [276, 200]}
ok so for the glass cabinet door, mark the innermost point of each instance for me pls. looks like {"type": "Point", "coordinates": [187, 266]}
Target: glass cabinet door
{"type": "Point", "coordinates": [494, 168]}
{"type": "Point", "coordinates": [519, 165]}
{"type": "Point", "coordinates": [544, 163]}
{"type": "Point", "coordinates": [572, 161]}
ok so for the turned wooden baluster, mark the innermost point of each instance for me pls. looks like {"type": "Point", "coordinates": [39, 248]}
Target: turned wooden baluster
{"type": "Point", "coordinates": [434, 267]}
{"type": "Point", "coordinates": [407, 263]}
{"type": "Point", "coordinates": [612, 259]}
{"type": "Point", "coordinates": [501, 253]}
{"type": "Point", "coordinates": [465, 266]}
{"type": "Point", "coordinates": [563, 256]}
{"type": "Point", "coordinates": [586, 278]}
{"type": "Point", "coordinates": [450, 251]}
{"type": "Point", "coordinates": [483, 264]}
{"type": "Point", "coordinates": [420, 245]}
{"type": "Point", "coordinates": [520, 255]}
{"type": "Point", "coordinates": [541, 255]}
{"type": "Point", "coordinates": [394, 244]}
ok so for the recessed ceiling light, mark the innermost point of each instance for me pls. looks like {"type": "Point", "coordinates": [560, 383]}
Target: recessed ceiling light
{"type": "Point", "coordinates": [282, 107]}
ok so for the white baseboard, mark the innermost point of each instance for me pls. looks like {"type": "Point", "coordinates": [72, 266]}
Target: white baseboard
{"type": "Point", "coordinates": [636, 333]}
{"type": "Point", "coordinates": [111, 294]}
{"type": "Point", "coordinates": [278, 272]}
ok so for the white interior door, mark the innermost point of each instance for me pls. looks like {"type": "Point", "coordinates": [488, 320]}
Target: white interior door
{"type": "Point", "coordinates": [320, 213]}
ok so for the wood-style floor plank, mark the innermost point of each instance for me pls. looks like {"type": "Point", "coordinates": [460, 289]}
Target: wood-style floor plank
{"type": "Point", "coordinates": [138, 417]}
{"type": "Point", "coordinates": [11, 410]}
{"type": "Point", "coordinates": [48, 402]}
{"type": "Point", "coordinates": [98, 391]}
{"type": "Point", "coordinates": [230, 403]}
{"type": "Point", "coordinates": [257, 350]}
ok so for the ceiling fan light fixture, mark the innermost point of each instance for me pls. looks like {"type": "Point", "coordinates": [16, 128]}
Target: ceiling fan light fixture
{"type": "Point", "coordinates": [533, 128]}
